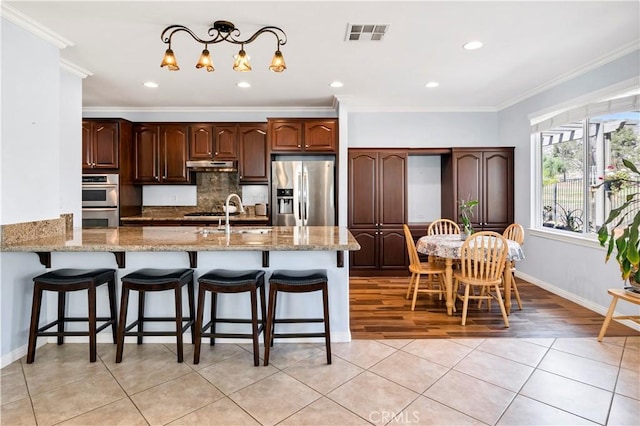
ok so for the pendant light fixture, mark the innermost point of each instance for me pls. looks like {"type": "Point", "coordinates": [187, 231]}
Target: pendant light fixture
{"type": "Point", "coordinates": [223, 31]}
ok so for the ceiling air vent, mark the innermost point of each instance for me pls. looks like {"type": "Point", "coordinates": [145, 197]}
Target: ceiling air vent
{"type": "Point", "coordinates": [366, 32]}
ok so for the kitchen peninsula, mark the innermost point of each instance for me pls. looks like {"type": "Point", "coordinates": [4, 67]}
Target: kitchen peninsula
{"type": "Point", "coordinates": [201, 248]}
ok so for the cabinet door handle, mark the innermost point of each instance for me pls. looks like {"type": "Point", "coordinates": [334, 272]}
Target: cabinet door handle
{"type": "Point", "coordinates": [306, 146]}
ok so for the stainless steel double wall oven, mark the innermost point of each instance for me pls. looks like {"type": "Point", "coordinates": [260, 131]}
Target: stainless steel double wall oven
{"type": "Point", "coordinates": [100, 197]}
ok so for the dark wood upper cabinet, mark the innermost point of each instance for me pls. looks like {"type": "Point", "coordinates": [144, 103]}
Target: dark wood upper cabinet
{"type": "Point", "coordinates": [226, 142]}
{"type": "Point", "coordinates": [483, 174]}
{"type": "Point", "coordinates": [378, 209]}
{"type": "Point", "coordinates": [253, 166]}
{"type": "Point", "coordinates": [160, 153]}
{"type": "Point", "coordinates": [303, 135]}
{"type": "Point", "coordinates": [201, 141]}
{"type": "Point", "coordinates": [100, 144]}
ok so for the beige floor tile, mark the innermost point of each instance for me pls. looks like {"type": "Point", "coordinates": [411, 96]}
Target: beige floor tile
{"type": "Point", "coordinates": [631, 358]}
{"type": "Point", "coordinates": [322, 377]}
{"type": "Point", "coordinates": [471, 396]}
{"type": "Point", "coordinates": [223, 412]}
{"type": "Point", "coordinates": [395, 343]}
{"type": "Point", "coordinates": [13, 386]}
{"type": "Point", "coordinates": [235, 373]}
{"type": "Point", "coordinates": [496, 370]}
{"type": "Point", "coordinates": [624, 411]}
{"type": "Point", "coordinates": [540, 341]}
{"type": "Point", "coordinates": [363, 353]}
{"type": "Point", "coordinates": [372, 397]}
{"type": "Point", "coordinates": [176, 398]}
{"type": "Point", "coordinates": [76, 398]}
{"type": "Point", "coordinates": [628, 383]}
{"type": "Point", "coordinates": [444, 352]}
{"type": "Point", "coordinates": [472, 343]}
{"type": "Point", "coordinates": [615, 340]}
{"type": "Point", "coordinates": [17, 413]}
{"type": "Point", "coordinates": [581, 369]}
{"type": "Point", "coordinates": [633, 341]}
{"type": "Point", "coordinates": [578, 398]}
{"type": "Point", "coordinates": [283, 355]}
{"type": "Point", "coordinates": [13, 368]}
{"type": "Point", "coordinates": [590, 348]}
{"type": "Point", "coordinates": [65, 353]}
{"type": "Point", "coordinates": [145, 367]}
{"type": "Point", "coordinates": [427, 412]}
{"type": "Point", "coordinates": [209, 354]}
{"type": "Point", "coordinates": [119, 413]}
{"type": "Point", "coordinates": [275, 398]}
{"type": "Point", "coordinates": [517, 350]}
{"type": "Point", "coordinates": [526, 411]}
{"type": "Point", "coordinates": [323, 412]}
{"type": "Point", "coordinates": [409, 370]}
{"type": "Point", "coordinates": [48, 375]}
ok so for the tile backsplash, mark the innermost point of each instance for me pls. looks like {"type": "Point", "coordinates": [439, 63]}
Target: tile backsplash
{"type": "Point", "coordinates": [209, 193]}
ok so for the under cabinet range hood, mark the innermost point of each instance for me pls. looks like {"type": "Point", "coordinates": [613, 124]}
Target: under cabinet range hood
{"type": "Point", "coordinates": [212, 166]}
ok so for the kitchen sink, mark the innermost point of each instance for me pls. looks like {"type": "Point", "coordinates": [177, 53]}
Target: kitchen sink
{"type": "Point", "coordinates": [235, 230]}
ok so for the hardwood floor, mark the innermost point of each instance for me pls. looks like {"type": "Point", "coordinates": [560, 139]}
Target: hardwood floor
{"type": "Point", "coordinates": [379, 310]}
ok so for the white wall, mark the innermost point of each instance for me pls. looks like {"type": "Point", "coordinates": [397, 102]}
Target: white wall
{"type": "Point", "coordinates": [71, 145]}
{"type": "Point", "coordinates": [30, 127]}
{"type": "Point", "coordinates": [562, 266]}
{"type": "Point", "coordinates": [39, 163]}
{"type": "Point", "coordinates": [422, 129]}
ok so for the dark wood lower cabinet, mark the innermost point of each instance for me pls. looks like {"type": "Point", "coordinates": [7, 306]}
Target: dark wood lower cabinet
{"type": "Point", "coordinates": [382, 252]}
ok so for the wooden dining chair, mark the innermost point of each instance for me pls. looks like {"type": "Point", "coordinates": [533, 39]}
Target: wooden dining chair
{"type": "Point", "coordinates": [514, 232]}
{"type": "Point", "coordinates": [417, 269]}
{"type": "Point", "coordinates": [482, 260]}
{"type": "Point", "coordinates": [443, 226]}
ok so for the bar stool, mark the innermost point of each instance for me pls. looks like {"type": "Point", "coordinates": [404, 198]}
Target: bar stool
{"type": "Point", "coordinates": [296, 282]}
{"type": "Point", "coordinates": [150, 279]}
{"type": "Point", "coordinates": [63, 281]}
{"type": "Point", "coordinates": [227, 281]}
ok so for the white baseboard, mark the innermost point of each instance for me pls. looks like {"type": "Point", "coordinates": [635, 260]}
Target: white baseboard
{"type": "Point", "coordinates": [602, 310]}
{"type": "Point", "coordinates": [18, 353]}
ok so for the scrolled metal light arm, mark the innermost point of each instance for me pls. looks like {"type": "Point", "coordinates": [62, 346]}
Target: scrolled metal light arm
{"type": "Point", "coordinates": [219, 32]}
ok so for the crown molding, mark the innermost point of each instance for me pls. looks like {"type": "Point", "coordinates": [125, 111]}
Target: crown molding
{"type": "Point", "coordinates": [34, 27]}
{"type": "Point", "coordinates": [74, 69]}
{"type": "Point", "coordinates": [610, 57]}
{"type": "Point", "coordinates": [179, 109]}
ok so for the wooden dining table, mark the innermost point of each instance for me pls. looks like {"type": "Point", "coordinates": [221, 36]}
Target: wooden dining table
{"type": "Point", "coordinates": [447, 246]}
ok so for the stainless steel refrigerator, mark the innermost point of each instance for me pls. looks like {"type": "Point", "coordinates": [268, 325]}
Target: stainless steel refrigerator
{"type": "Point", "coordinates": [303, 193]}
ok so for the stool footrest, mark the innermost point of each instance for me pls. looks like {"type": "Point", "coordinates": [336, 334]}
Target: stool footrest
{"type": "Point", "coordinates": [56, 322]}
{"type": "Point", "coordinates": [289, 335]}
{"type": "Point", "coordinates": [188, 324]}
{"type": "Point", "coordinates": [296, 320]}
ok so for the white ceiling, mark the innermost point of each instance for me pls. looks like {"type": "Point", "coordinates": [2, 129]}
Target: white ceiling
{"type": "Point", "coordinates": [528, 46]}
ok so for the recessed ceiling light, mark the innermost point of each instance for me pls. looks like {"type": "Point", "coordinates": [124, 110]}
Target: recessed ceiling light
{"type": "Point", "coordinates": [472, 45]}
{"type": "Point", "coordinates": [150, 84]}
{"type": "Point", "coordinates": [336, 84]}
{"type": "Point", "coordinates": [244, 84]}
{"type": "Point", "coordinates": [432, 84]}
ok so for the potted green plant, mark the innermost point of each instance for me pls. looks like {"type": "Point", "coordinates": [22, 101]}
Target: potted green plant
{"type": "Point", "coordinates": [466, 212]}
{"type": "Point", "coordinates": [616, 232]}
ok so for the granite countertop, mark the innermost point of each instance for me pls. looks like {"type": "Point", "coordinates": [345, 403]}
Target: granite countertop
{"type": "Point", "coordinates": [173, 216]}
{"type": "Point", "coordinates": [192, 238]}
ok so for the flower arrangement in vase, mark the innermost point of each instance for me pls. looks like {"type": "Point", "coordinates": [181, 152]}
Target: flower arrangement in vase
{"type": "Point", "coordinates": [466, 212]}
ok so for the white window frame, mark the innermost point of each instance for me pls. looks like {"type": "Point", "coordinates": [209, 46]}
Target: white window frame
{"type": "Point", "coordinates": [623, 95]}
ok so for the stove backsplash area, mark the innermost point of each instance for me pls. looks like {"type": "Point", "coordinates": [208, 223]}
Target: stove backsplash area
{"type": "Point", "coordinates": [209, 193]}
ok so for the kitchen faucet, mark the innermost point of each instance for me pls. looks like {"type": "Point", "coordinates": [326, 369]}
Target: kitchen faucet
{"type": "Point", "coordinates": [227, 227]}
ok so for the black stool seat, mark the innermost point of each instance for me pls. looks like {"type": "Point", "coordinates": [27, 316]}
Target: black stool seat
{"type": "Point", "coordinates": [62, 281]}
{"type": "Point", "coordinates": [151, 279]}
{"type": "Point", "coordinates": [229, 281]}
{"type": "Point", "coordinates": [297, 282]}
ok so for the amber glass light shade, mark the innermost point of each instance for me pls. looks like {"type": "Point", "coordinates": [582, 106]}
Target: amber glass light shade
{"type": "Point", "coordinates": [169, 61]}
{"type": "Point", "coordinates": [277, 63]}
{"type": "Point", "coordinates": [205, 61]}
{"type": "Point", "coordinates": [241, 62]}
